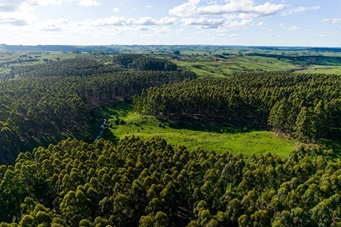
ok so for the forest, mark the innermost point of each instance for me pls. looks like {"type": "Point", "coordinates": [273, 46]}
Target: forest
{"type": "Point", "coordinates": [39, 108]}
{"type": "Point", "coordinates": [305, 106]}
{"type": "Point", "coordinates": [150, 183]}
{"type": "Point", "coordinates": [54, 172]}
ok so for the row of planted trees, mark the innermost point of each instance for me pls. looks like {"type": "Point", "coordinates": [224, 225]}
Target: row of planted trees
{"type": "Point", "coordinates": [150, 183]}
{"type": "Point", "coordinates": [305, 106]}
{"type": "Point", "coordinates": [43, 108]}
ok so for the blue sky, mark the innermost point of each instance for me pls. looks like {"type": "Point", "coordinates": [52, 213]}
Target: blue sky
{"type": "Point", "coordinates": [213, 22]}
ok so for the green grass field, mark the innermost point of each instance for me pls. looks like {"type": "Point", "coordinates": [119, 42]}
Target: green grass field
{"type": "Point", "coordinates": [322, 69]}
{"type": "Point", "coordinates": [209, 66]}
{"type": "Point", "coordinates": [208, 137]}
{"type": "Point", "coordinates": [233, 65]}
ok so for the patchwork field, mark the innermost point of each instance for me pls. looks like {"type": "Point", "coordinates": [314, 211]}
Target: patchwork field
{"type": "Point", "coordinates": [212, 66]}
{"type": "Point", "coordinates": [235, 65]}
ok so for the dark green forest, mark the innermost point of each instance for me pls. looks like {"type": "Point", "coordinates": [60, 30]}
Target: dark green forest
{"type": "Point", "coordinates": [39, 108]}
{"type": "Point", "coordinates": [150, 183]}
{"type": "Point", "coordinates": [307, 107]}
{"type": "Point", "coordinates": [54, 173]}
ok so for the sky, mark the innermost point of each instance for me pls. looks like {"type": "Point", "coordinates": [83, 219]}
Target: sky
{"type": "Point", "coordinates": [314, 23]}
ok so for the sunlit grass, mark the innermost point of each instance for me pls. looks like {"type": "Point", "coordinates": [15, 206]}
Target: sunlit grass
{"type": "Point", "coordinates": [323, 70]}
{"type": "Point", "coordinates": [220, 139]}
{"type": "Point", "coordinates": [235, 65]}
{"type": "Point", "coordinates": [205, 67]}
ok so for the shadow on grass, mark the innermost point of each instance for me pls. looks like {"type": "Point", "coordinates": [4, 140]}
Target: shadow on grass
{"type": "Point", "coordinates": [210, 126]}
{"type": "Point", "coordinates": [108, 135]}
{"type": "Point", "coordinates": [333, 142]}
{"type": "Point", "coordinates": [119, 109]}
{"type": "Point", "coordinates": [122, 109]}
{"type": "Point", "coordinates": [114, 110]}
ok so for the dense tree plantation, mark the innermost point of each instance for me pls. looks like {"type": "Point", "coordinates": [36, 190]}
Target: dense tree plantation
{"type": "Point", "coordinates": [150, 183]}
{"type": "Point", "coordinates": [140, 62]}
{"type": "Point", "coordinates": [80, 181]}
{"type": "Point", "coordinates": [69, 67]}
{"type": "Point", "coordinates": [42, 108]}
{"type": "Point", "coordinates": [307, 107]}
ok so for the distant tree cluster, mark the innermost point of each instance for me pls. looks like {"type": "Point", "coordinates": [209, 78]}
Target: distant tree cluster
{"type": "Point", "coordinates": [43, 109]}
{"type": "Point", "coordinates": [69, 67]}
{"type": "Point", "coordinates": [141, 62]}
{"type": "Point", "coordinates": [150, 183]}
{"type": "Point", "coordinates": [306, 106]}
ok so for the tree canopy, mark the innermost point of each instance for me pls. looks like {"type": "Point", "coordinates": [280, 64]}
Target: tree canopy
{"type": "Point", "coordinates": [148, 182]}
{"type": "Point", "coordinates": [305, 106]}
{"type": "Point", "coordinates": [40, 108]}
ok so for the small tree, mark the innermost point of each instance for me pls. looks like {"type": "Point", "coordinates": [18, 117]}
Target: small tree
{"type": "Point", "coordinates": [176, 52]}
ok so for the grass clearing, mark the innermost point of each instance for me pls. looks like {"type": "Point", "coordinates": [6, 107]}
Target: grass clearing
{"type": "Point", "coordinates": [122, 122]}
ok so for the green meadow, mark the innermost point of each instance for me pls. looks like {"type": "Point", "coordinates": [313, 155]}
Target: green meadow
{"type": "Point", "coordinates": [212, 66]}
{"type": "Point", "coordinates": [123, 121]}
{"type": "Point", "coordinates": [234, 65]}
{"type": "Point", "coordinates": [323, 69]}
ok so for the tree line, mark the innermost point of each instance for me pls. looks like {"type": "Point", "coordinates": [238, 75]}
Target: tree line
{"type": "Point", "coordinates": [150, 183]}
{"type": "Point", "coordinates": [305, 106]}
{"type": "Point", "coordinates": [141, 62]}
{"type": "Point", "coordinates": [79, 66]}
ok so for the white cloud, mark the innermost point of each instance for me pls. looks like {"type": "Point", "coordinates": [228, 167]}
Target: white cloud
{"type": "Point", "coordinates": [259, 23]}
{"type": "Point", "coordinates": [48, 2]}
{"type": "Point", "coordinates": [299, 10]}
{"type": "Point", "coordinates": [17, 18]}
{"type": "Point", "coordinates": [324, 36]}
{"type": "Point", "coordinates": [243, 16]}
{"type": "Point", "coordinates": [167, 21]}
{"type": "Point", "coordinates": [272, 35]}
{"type": "Point", "coordinates": [185, 9]}
{"type": "Point", "coordinates": [229, 25]}
{"type": "Point", "coordinates": [203, 22]}
{"type": "Point", "coordinates": [89, 3]}
{"type": "Point", "coordinates": [27, 5]}
{"type": "Point", "coordinates": [142, 21]}
{"type": "Point", "coordinates": [142, 28]}
{"type": "Point", "coordinates": [245, 6]}
{"type": "Point", "coordinates": [53, 25]}
{"type": "Point", "coordinates": [112, 21]}
{"type": "Point", "coordinates": [233, 14]}
{"type": "Point", "coordinates": [333, 20]}
{"type": "Point", "coordinates": [235, 35]}
{"type": "Point", "coordinates": [294, 28]}
{"type": "Point", "coordinates": [115, 9]}
{"type": "Point", "coordinates": [20, 9]}
{"type": "Point", "coordinates": [10, 6]}
{"type": "Point", "coordinates": [222, 24]}
{"type": "Point", "coordinates": [191, 8]}
{"type": "Point", "coordinates": [12, 21]}
{"type": "Point", "coordinates": [122, 21]}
